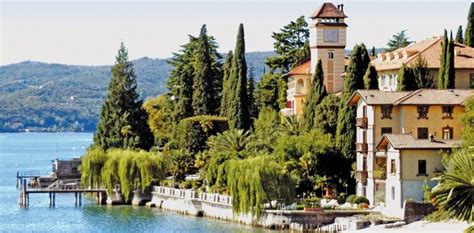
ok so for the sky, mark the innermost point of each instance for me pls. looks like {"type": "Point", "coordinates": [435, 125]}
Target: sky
{"type": "Point", "coordinates": [89, 32]}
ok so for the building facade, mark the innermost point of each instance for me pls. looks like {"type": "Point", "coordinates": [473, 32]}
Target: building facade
{"type": "Point", "coordinates": [415, 125]}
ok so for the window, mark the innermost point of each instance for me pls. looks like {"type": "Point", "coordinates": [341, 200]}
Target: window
{"type": "Point", "coordinates": [447, 133]}
{"type": "Point", "coordinates": [447, 111]}
{"type": "Point", "coordinates": [364, 136]}
{"type": "Point", "coordinates": [331, 55]}
{"type": "Point", "coordinates": [393, 169]}
{"type": "Point", "coordinates": [423, 112]}
{"type": "Point", "coordinates": [471, 80]}
{"type": "Point", "coordinates": [386, 130]}
{"type": "Point", "coordinates": [364, 164]}
{"type": "Point", "coordinates": [421, 167]}
{"type": "Point", "coordinates": [387, 111]}
{"type": "Point", "coordinates": [300, 87]}
{"type": "Point", "coordinates": [364, 111]}
{"type": "Point", "coordinates": [393, 193]}
{"type": "Point", "coordinates": [422, 133]}
{"type": "Point", "coordinates": [289, 104]}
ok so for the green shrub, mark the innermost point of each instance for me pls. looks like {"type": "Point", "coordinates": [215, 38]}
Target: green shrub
{"type": "Point", "coordinates": [193, 132]}
{"type": "Point", "coordinates": [341, 199]}
{"type": "Point", "coordinates": [312, 202]}
{"type": "Point", "coordinates": [186, 184]}
{"type": "Point", "coordinates": [358, 200]}
{"type": "Point", "coordinates": [351, 198]}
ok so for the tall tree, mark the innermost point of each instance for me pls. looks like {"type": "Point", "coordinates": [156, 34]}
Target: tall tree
{"type": "Point", "coordinates": [227, 86]}
{"type": "Point", "coordinates": [346, 125]}
{"type": "Point", "coordinates": [239, 109]}
{"type": "Point", "coordinates": [423, 77]}
{"type": "Point", "coordinates": [469, 33]}
{"type": "Point", "coordinates": [371, 78]}
{"type": "Point", "coordinates": [406, 81]}
{"type": "Point", "coordinates": [291, 45]}
{"type": "Point", "coordinates": [253, 107]}
{"type": "Point", "coordinates": [123, 121]}
{"type": "Point", "coordinates": [365, 58]}
{"type": "Point", "coordinates": [268, 91]}
{"type": "Point", "coordinates": [459, 38]}
{"type": "Point", "coordinates": [372, 52]}
{"type": "Point", "coordinates": [399, 40]}
{"type": "Point", "coordinates": [442, 61]}
{"type": "Point", "coordinates": [449, 69]}
{"type": "Point", "coordinates": [316, 95]}
{"type": "Point", "coordinates": [326, 114]}
{"type": "Point", "coordinates": [203, 92]}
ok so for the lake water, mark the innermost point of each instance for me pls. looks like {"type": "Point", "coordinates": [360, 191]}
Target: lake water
{"type": "Point", "coordinates": [34, 151]}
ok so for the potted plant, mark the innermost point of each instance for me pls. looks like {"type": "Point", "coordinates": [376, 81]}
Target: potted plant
{"type": "Point", "coordinates": [312, 204]}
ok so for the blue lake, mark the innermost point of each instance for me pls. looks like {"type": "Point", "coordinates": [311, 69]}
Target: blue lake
{"type": "Point", "coordinates": [34, 151]}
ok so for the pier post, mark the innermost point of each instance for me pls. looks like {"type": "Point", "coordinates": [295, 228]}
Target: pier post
{"type": "Point", "coordinates": [50, 200]}
{"type": "Point", "coordinates": [75, 199]}
{"type": "Point", "coordinates": [17, 178]}
{"type": "Point", "coordinates": [54, 199]}
{"type": "Point", "coordinates": [80, 199]}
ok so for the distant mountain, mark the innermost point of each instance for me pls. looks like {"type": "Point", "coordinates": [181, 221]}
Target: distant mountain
{"type": "Point", "coordinates": [38, 96]}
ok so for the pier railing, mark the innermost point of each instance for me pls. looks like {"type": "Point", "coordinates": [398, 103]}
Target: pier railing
{"type": "Point", "coordinates": [193, 194]}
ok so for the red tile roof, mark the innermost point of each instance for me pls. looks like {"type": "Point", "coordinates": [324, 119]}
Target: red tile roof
{"type": "Point", "coordinates": [304, 68]}
{"type": "Point", "coordinates": [328, 10]}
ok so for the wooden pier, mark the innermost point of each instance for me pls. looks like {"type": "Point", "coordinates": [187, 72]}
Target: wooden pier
{"type": "Point", "coordinates": [58, 188]}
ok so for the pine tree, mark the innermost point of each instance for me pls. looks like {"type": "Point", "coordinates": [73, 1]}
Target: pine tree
{"type": "Point", "coordinates": [422, 75]}
{"type": "Point", "coordinates": [371, 78]}
{"type": "Point", "coordinates": [406, 81]}
{"type": "Point", "coordinates": [316, 95]}
{"type": "Point", "coordinates": [469, 33]}
{"type": "Point", "coordinates": [227, 86]}
{"type": "Point", "coordinates": [399, 40]}
{"type": "Point", "coordinates": [203, 88]}
{"type": "Point", "coordinates": [442, 61]}
{"type": "Point", "coordinates": [449, 69]}
{"type": "Point", "coordinates": [239, 109]}
{"type": "Point", "coordinates": [459, 38]}
{"type": "Point", "coordinates": [253, 107]}
{"type": "Point", "coordinates": [123, 121]}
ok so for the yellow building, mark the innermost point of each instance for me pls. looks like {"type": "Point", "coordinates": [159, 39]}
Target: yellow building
{"type": "Point", "coordinates": [388, 64]}
{"type": "Point", "coordinates": [327, 43]}
{"type": "Point", "coordinates": [400, 132]}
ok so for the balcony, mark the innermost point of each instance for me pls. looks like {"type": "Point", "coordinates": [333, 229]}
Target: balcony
{"type": "Point", "coordinates": [361, 122]}
{"type": "Point", "coordinates": [361, 147]}
{"type": "Point", "coordinates": [361, 176]}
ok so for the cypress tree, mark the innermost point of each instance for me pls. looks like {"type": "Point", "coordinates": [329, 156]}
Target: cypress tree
{"type": "Point", "coordinates": [123, 121]}
{"type": "Point", "coordinates": [365, 60]}
{"type": "Point", "coordinates": [372, 53]}
{"type": "Point", "coordinates": [459, 38]}
{"type": "Point", "coordinates": [469, 33]}
{"type": "Point", "coordinates": [239, 109]}
{"type": "Point", "coordinates": [316, 95]}
{"type": "Point", "coordinates": [346, 123]}
{"type": "Point", "coordinates": [449, 69]}
{"type": "Point", "coordinates": [371, 78]}
{"type": "Point", "coordinates": [406, 81]}
{"type": "Point", "coordinates": [227, 86]}
{"type": "Point", "coordinates": [442, 61]}
{"type": "Point", "coordinates": [253, 110]}
{"type": "Point", "coordinates": [203, 88]}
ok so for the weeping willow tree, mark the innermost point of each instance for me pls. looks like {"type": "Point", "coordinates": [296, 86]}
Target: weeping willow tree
{"type": "Point", "coordinates": [255, 181]}
{"type": "Point", "coordinates": [91, 166]}
{"type": "Point", "coordinates": [132, 170]}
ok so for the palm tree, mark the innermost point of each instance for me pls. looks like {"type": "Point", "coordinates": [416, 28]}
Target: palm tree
{"type": "Point", "coordinates": [233, 140]}
{"type": "Point", "coordinates": [292, 125]}
{"type": "Point", "coordinates": [455, 190]}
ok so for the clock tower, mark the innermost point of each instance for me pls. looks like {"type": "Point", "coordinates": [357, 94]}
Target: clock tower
{"type": "Point", "coordinates": [327, 42]}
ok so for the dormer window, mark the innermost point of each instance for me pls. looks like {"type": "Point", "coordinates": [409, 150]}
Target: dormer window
{"type": "Point", "coordinates": [447, 112]}
{"type": "Point", "coordinates": [423, 112]}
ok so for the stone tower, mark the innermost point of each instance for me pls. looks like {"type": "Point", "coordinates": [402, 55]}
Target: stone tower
{"type": "Point", "coordinates": [327, 42]}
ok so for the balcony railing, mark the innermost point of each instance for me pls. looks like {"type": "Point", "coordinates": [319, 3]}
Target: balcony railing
{"type": "Point", "coordinates": [361, 122]}
{"type": "Point", "coordinates": [361, 176]}
{"type": "Point", "coordinates": [361, 147]}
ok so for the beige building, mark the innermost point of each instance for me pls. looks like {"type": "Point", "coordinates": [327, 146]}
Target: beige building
{"type": "Point", "coordinates": [388, 64]}
{"type": "Point", "coordinates": [327, 42]}
{"type": "Point", "coordinates": [399, 137]}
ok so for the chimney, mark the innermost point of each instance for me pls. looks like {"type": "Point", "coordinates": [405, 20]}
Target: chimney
{"type": "Point", "coordinates": [342, 8]}
{"type": "Point", "coordinates": [339, 7]}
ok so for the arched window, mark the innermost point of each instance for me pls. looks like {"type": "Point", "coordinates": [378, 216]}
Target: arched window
{"type": "Point", "coordinates": [331, 55]}
{"type": "Point", "coordinates": [300, 86]}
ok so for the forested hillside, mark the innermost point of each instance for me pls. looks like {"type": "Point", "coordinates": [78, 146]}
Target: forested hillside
{"type": "Point", "coordinates": [38, 96]}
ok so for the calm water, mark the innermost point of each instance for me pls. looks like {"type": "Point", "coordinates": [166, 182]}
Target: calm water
{"type": "Point", "coordinates": [34, 151]}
